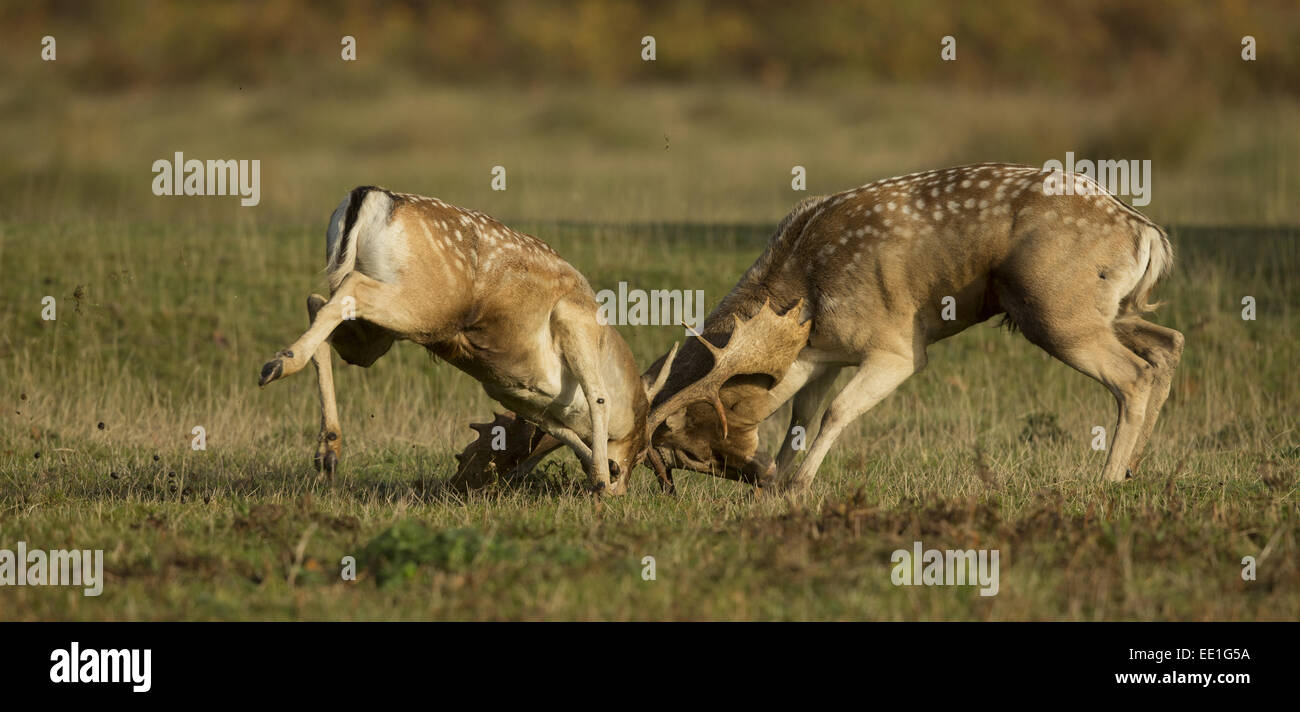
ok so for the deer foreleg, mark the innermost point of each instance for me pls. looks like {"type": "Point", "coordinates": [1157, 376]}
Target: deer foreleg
{"type": "Point", "coordinates": [579, 337]}
{"type": "Point", "coordinates": [803, 413]}
{"type": "Point", "coordinates": [878, 375]}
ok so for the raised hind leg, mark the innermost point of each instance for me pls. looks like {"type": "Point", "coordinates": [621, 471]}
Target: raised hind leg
{"type": "Point", "coordinates": [360, 297]}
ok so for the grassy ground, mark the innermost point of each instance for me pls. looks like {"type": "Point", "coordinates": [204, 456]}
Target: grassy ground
{"type": "Point", "coordinates": [163, 325]}
{"type": "Point", "coordinates": [167, 307]}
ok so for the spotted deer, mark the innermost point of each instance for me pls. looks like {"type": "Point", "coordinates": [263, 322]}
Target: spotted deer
{"type": "Point", "coordinates": [497, 304]}
{"type": "Point", "coordinates": [859, 279]}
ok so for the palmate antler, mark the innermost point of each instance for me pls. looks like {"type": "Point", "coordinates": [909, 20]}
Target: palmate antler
{"type": "Point", "coordinates": [478, 464]}
{"type": "Point", "coordinates": [767, 343]}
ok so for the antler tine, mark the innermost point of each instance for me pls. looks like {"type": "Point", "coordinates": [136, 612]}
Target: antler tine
{"type": "Point", "coordinates": [716, 400]}
{"type": "Point", "coordinates": [717, 352]}
{"type": "Point", "coordinates": [662, 378]}
{"type": "Point", "coordinates": [663, 473]}
{"type": "Point", "coordinates": [741, 324]}
{"type": "Point", "coordinates": [793, 312]}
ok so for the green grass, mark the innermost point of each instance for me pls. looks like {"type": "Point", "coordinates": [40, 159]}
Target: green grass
{"type": "Point", "coordinates": [162, 326]}
{"type": "Point", "coordinates": [642, 154]}
{"type": "Point", "coordinates": [167, 307]}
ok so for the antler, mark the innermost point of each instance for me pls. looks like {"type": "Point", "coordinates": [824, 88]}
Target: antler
{"type": "Point", "coordinates": [653, 390]}
{"type": "Point", "coordinates": [767, 343]}
{"type": "Point", "coordinates": [477, 462]}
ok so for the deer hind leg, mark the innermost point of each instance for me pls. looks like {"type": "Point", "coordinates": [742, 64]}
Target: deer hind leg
{"type": "Point", "coordinates": [807, 404]}
{"type": "Point", "coordinates": [579, 337]}
{"type": "Point", "coordinates": [384, 305]}
{"type": "Point", "coordinates": [1162, 348]}
{"type": "Point", "coordinates": [878, 375]}
{"type": "Point", "coordinates": [1100, 354]}
{"type": "Point", "coordinates": [329, 445]}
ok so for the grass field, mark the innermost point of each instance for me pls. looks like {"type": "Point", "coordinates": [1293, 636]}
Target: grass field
{"type": "Point", "coordinates": [162, 326]}
{"type": "Point", "coordinates": [667, 175]}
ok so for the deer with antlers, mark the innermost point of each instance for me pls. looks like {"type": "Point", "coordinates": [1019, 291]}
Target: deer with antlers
{"type": "Point", "coordinates": [870, 277]}
{"type": "Point", "coordinates": [499, 305]}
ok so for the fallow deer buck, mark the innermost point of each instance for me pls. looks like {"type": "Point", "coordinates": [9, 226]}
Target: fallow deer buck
{"type": "Point", "coordinates": [499, 305]}
{"type": "Point", "coordinates": [859, 279]}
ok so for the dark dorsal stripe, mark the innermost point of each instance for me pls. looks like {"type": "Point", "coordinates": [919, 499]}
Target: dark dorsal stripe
{"type": "Point", "coordinates": [354, 206]}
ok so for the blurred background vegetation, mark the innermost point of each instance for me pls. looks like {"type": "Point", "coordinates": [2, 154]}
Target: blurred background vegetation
{"type": "Point", "coordinates": [558, 93]}
{"type": "Point", "coordinates": [1091, 46]}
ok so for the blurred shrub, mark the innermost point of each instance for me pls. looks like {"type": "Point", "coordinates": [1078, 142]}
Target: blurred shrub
{"type": "Point", "coordinates": [1082, 45]}
{"type": "Point", "coordinates": [399, 551]}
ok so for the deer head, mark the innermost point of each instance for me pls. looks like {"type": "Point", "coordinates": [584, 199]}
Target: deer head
{"type": "Point", "coordinates": [707, 397]}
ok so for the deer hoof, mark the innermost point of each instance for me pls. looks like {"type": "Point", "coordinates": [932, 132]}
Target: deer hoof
{"type": "Point", "coordinates": [271, 370]}
{"type": "Point", "coordinates": [326, 462]}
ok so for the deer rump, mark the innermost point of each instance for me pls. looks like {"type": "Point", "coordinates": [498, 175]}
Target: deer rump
{"type": "Point", "coordinates": [358, 341]}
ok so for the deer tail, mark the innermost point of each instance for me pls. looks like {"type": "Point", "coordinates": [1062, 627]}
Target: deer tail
{"type": "Point", "coordinates": [1154, 243]}
{"type": "Point", "coordinates": [363, 210]}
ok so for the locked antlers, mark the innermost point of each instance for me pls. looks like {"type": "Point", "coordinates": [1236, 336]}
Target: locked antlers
{"type": "Point", "coordinates": [766, 343]}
